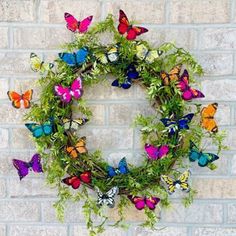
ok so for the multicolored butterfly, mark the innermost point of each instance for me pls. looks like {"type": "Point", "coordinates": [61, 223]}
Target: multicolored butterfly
{"type": "Point", "coordinates": [173, 75]}
{"type": "Point", "coordinates": [144, 54]}
{"type": "Point", "coordinates": [176, 125]}
{"type": "Point", "coordinates": [37, 65]}
{"type": "Point", "coordinates": [108, 197]}
{"type": "Point", "coordinates": [207, 117]}
{"type": "Point", "coordinates": [180, 183]}
{"type": "Point", "coordinates": [110, 56]}
{"type": "Point", "coordinates": [73, 124]}
{"type": "Point", "coordinates": [188, 93]}
{"type": "Point", "coordinates": [122, 168]}
{"type": "Point", "coordinates": [125, 27]}
{"type": "Point", "coordinates": [131, 73]}
{"type": "Point", "coordinates": [155, 153]}
{"type": "Point", "coordinates": [19, 101]}
{"type": "Point", "coordinates": [142, 202]}
{"type": "Point", "coordinates": [203, 158]}
{"type": "Point", "coordinates": [75, 59]}
{"type": "Point", "coordinates": [77, 26]}
{"type": "Point", "coordinates": [24, 167]}
{"type": "Point", "coordinates": [75, 181]}
{"type": "Point", "coordinates": [79, 148]}
{"type": "Point", "coordinates": [66, 93]}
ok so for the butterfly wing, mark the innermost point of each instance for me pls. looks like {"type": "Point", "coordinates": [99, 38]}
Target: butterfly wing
{"type": "Point", "coordinates": [185, 120]}
{"type": "Point", "coordinates": [81, 146]}
{"type": "Point", "coordinates": [123, 166]}
{"type": "Point", "coordinates": [72, 23]}
{"type": "Point", "coordinates": [22, 168]}
{"type": "Point", "coordinates": [76, 88]}
{"type": "Point", "coordinates": [207, 158]}
{"type": "Point", "coordinates": [133, 32]}
{"type": "Point", "coordinates": [207, 117]}
{"type": "Point", "coordinates": [112, 54]}
{"type": "Point", "coordinates": [152, 151]}
{"type": "Point", "coordinates": [163, 150]}
{"type": "Point", "coordinates": [194, 152]}
{"type": "Point", "coordinates": [36, 163]}
{"type": "Point", "coordinates": [81, 56]}
{"type": "Point", "coordinates": [110, 202]}
{"type": "Point", "coordinates": [123, 23]}
{"type": "Point", "coordinates": [132, 73]}
{"type": "Point", "coordinates": [84, 24]}
{"type": "Point", "coordinates": [68, 58]}
{"type": "Point", "coordinates": [86, 177]}
{"type": "Point", "coordinates": [142, 51]}
{"type": "Point", "coordinates": [47, 128]}
{"type": "Point", "coordinates": [37, 130]}
{"type": "Point", "coordinates": [72, 151]}
{"type": "Point", "coordinates": [72, 181]}
{"type": "Point", "coordinates": [151, 202]}
{"type": "Point", "coordinates": [139, 202]}
{"type": "Point", "coordinates": [169, 182]}
{"type": "Point", "coordinates": [183, 179]}
{"type": "Point", "coordinates": [172, 76]}
{"type": "Point", "coordinates": [35, 62]}
{"type": "Point", "coordinates": [73, 124]}
{"type": "Point", "coordinates": [15, 98]}
{"type": "Point", "coordinates": [125, 85]}
{"type": "Point", "coordinates": [26, 97]}
{"type": "Point", "coordinates": [63, 93]}
{"type": "Point", "coordinates": [152, 56]}
{"type": "Point", "coordinates": [111, 171]}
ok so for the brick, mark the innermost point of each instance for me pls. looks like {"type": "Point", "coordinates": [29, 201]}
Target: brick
{"type": "Point", "coordinates": [10, 115]}
{"type": "Point", "coordinates": [2, 188]}
{"type": "Point", "coordinates": [161, 231]}
{"type": "Point", "coordinates": [21, 138]}
{"type": "Point", "coordinates": [223, 114]}
{"type": "Point", "coordinates": [2, 230]}
{"type": "Point", "coordinates": [4, 138]}
{"type": "Point", "coordinates": [149, 11]}
{"type": "Point", "coordinates": [214, 231]}
{"type": "Point", "coordinates": [40, 37]}
{"type": "Point", "coordinates": [19, 211]}
{"type": "Point", "coordinates": [231, 208]}
{"type": "Point", "coordinates": [233, 165]}
{"type": "Point", "coordinates": [202, 11]}
{"type": "Point", "coordinates": [55, 230]}
{"type": "Point", "coordinates": [53, 12]}
{"type": "Point", "coordinates": [18, 10]}
{"type": "Point", "coordinates": [4, 37]}
{"type": "Point", "coordinates": [4, 87]}
{"type": "Point", "coordinates": [231, 138]}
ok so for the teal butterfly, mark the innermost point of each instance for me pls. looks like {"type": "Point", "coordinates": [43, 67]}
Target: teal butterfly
{"type": "Point", "coordinates": [203, 158]}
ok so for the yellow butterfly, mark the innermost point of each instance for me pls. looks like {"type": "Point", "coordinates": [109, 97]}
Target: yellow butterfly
{"type": "Point", "coordinates": [207, 117]}
{"type": "Point", "coordinates": [79, 148]}
{"type": "Point", "coordinates": [70, 124]}
{"type": "Point", "coordinates": [37, 65]}
{"type": "Point", "coordinates": [111, 55]}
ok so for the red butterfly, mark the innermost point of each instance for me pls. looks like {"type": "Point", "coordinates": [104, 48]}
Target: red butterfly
{"type": "Point", "coordinates": [75, 181]}
{"type": "Point", "coordinates": [126, 27]}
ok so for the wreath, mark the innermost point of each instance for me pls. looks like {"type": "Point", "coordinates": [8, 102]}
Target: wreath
{"type": "Point", "coordinates": [170, 138]}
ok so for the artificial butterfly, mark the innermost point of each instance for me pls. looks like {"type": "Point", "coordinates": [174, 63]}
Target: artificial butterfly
{"type": "Point", "coordinates": [144, 54]}
{"type": "Point", "coordinates": [107, 198]}
{"type": "Point", "coordinates": [125, 27]}
{"type": "Point", "coordinates": [203, 158]}
{"type": "Point", "coordinates": [73, 124]}
{"type": "Point", "coordinates": [111, 55]}
{"type": "Point", "coordinates": [154, 152]}
{"type": "Point", "coordinates": [24, 167]}
{"type": "Point", "coordinates": [66, 93]}
{"type": "Point", "coordinates": [131, 73]}
{"type": "Point", "coordinates": [173, 75]}
{"type": "Point", "coordinates": [76, 58]}
{"type": "Point", "coordinates": [207, 117]}
{"type": "Point", "coordinates": [78, 148]}
{"type": "Point", "coordinates": [22, 100]}
{"type": "Point", "coordinates": [188, 93]}
{"type": "Point", "coordinates": [37, 65]}
{"type": "Point", "coordinates": [122, 168]}
{"type": "Point", "coordinates": [141, 202]}
{"type": "Point", "coordinates": [75, 181]}
{"type": "Point", "coordinates": [39, 130]}
{"type": "Point", "coordinates": [77, 26]}
{"type": "Point", "coordinates": [175, 125]}
{"type": "Point", "coordinates": [180, 183]}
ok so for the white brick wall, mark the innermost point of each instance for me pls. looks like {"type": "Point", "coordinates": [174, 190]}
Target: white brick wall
{"type": "Point", "coordinates": [206, 27]}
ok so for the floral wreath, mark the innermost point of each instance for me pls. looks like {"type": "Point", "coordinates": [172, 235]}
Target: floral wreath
{"type": "Point", "coordinates": [170, 137]}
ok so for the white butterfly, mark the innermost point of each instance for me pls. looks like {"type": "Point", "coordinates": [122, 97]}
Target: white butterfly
{"type": "Point", "coordinates": [108, 197]}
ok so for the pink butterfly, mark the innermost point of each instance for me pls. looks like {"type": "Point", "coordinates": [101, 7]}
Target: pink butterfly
{"type": "Point", "coordinates": [77, 26]}
{"type": "Point", "coordinates": [141, 202]}
{"type": "Point", "coordinates": [188, 93]}
{"type": "Point", "coordinates": [156, 152]}
{"type": "Point", "coordinates": [66, 93]}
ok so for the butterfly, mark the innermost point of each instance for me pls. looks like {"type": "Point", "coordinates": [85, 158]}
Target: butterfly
{"type": "Point", "coordinates": [122, 168]}
{"type": "Point", "coordinates": [22, 100]}
{"type": "Point", "coordinates": [76, 58]}
{"type": "Point", "coordinates": [66, 93]}
{"type": "Point", "coordinates": [79, 148]}
{"type": "Point", "coordinates": [131, 73]}
{"type": "Point", "coordinates": [125, 27]}
{"type": "Point", "coordinates": [207, 117]}
{"type": "Point", "coordinates": [75, 181]}
{"type": "Point", "coordinates": [24, 167]}
{"type": "Point", "coordinates": [141, 202]}
{"type": "Point", "coordinates": [107, 198]}
{"type": "Point", "coordinates": [180, 183]}
{"type": "Point", "coordinates": [175, 125]}
{"type": "Point", "coordinates": [37, 65]}
{"type": "Point", "coordinates": [173, 75]}
{"type": "Point", "coordinates": [70, 124]}
{"type": "Point", "coordinates": [203, 158]}
{"type": "Point", "coordinates": [156, 152]}
{"type": "Point", "coordinates": [144, 54]}
{"type": "Point", "coordinates": [111, 55]}
{"type": "Point", "coordinates": [188, 93]}
{"type": "Point", "coordinates": [77, 26]}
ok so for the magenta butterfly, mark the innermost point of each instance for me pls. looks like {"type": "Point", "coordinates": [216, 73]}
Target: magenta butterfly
{"type": "Point", "coordinates": [24, 167]}
{"type": "Point", "coordinates": [156, 152]}
{"type": "Point", "coordinates": [77, 26]}
{"type": "Point", "coordinates": [188, 93]}
{"type": "Point", "coordinates": [141, 202]}
{"type": "Point", "coordinates": [66, 93]}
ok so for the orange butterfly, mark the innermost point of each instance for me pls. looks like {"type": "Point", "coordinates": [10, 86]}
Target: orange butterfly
{"type": "Point", "coordinates": [79, 148]}
{"type": "Point", "coordinates": [173, 75]}
{"type": "Point", "coordinates": [20, 100]}
{"type": "Point", "coordinates": [207, 117]}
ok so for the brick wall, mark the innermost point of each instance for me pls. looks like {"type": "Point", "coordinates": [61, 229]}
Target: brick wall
{"type": "Point", "coordinates": [205, 27]}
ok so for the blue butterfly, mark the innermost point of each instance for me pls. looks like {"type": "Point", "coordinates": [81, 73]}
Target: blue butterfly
{"type": "Point", "coordinates": [203, 158]}
{"type": "Point", "coordinates": [174, 126]}
{"type": "Point", "coordinates": [122, 168]}
{"type": "Point", "coordinates": [76, 58]}
{"type": "Point", "coordinates": [131, 73]}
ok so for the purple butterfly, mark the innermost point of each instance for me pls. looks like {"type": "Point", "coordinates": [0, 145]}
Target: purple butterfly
{"type": "Point", "coordinates": [156, 152]}
{"type": "Point", "coordinates": [23, 167]}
